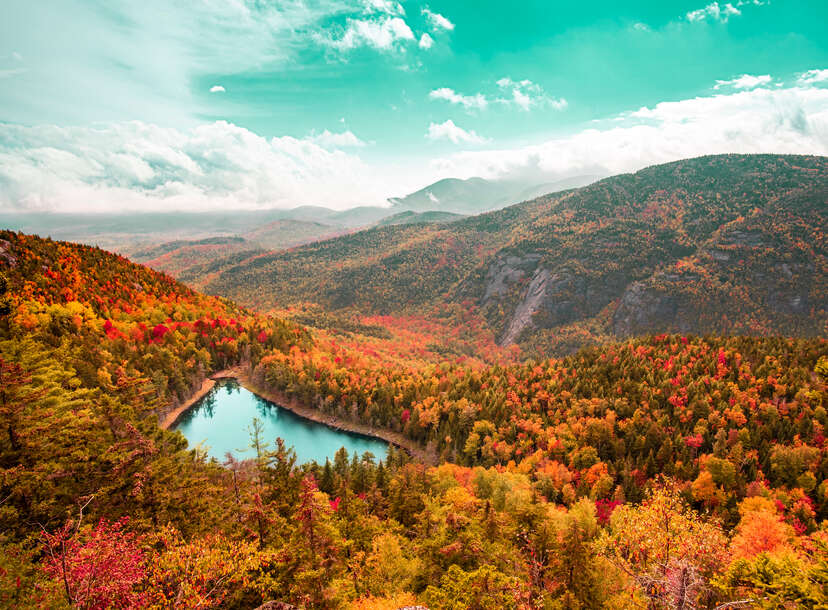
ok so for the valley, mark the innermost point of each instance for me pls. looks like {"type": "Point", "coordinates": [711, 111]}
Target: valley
{"type": "Point", "coordinates": [563, 374]}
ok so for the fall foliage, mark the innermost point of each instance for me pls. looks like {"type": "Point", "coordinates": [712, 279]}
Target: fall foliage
{"type": "Point", "coordinates": [664, 471]}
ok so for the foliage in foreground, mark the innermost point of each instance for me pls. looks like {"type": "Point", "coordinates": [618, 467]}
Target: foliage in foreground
{"type": "Point", "coordinates": [554, 499]}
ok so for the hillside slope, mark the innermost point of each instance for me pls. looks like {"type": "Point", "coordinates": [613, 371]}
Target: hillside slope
{"type": "Point", "coordinates": [721, 244]}
{"type": "Point", "coordinates": [122, 321]}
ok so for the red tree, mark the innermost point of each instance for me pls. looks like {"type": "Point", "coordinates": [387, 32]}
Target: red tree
{"type": "Point", "coordinates": [101, 570]}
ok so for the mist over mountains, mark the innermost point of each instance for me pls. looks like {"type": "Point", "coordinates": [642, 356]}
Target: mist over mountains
{"type": "Point", "coordinates": [137, 233]}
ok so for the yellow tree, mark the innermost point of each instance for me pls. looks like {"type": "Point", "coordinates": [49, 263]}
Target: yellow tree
{"type": "Point", "coordinates": [668, 551]}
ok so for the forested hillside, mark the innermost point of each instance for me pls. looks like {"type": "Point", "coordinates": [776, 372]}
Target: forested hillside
{"type": "Point", "coordinates": [730, 244]}
{"type": "Point", "coordinates": [665, 472]}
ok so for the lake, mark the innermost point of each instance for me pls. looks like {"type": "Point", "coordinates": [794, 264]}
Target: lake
{"type": "Point", "coordinates": [223, 418]}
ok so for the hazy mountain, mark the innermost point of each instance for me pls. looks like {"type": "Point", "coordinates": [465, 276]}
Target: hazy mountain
{"type": "Point", "coordinates": [129, 233]}
{"type": "Point", "coordinates": [476, 195]}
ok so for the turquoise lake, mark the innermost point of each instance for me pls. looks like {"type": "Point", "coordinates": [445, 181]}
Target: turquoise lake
{"type": "Point", "coordinates": [223, 418]}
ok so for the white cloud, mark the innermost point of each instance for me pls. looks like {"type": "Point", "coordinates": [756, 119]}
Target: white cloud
{"type": "Point", "coordinates": [813, 76]}
{"type": "Point", "coordinates": [746, 81]}
{"type": "Point", "coordinates": [642, 27]}
{"type": "Point", "coordinates": [477, 101]}
{"type": "Point", "coordinates": [138, 166]}
{"type": "Point", "coordinates": [380, 24]}
{"type": "Point", "coordinates": [525, 94]}
{"type": "Point", "coordinates": [346, 139]}
{"type": "Point", "coordinates": [384, 6]}
{"type": "Point", "coordinates": [449, 131]}
{"type": "Point", "coordinates": [432, 198]}
{"type": "Point", "coordinates": [789, 120]}
{"type": "Point", "coordinates": [217, 89]}
{"type": "Point", "coordinates": [380, 33]}
{"type": "Point", "coordinates": [437, 21]}
{"type": "Point", "coordinates": [714, 12]}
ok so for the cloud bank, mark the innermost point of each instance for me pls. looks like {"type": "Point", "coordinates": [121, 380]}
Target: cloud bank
{"type": "Point", "coordinates": [789, 120]}
{"type": "Point", "coordinates": [746, 81]}
{"type": "Point", "coordinates": [140, 166]}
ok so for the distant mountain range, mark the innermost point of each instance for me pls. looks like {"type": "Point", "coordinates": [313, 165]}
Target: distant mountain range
{"type": "Point", "coordinates": [729, 244]}
{"type": "Point", "coordinates": [476, 195]}
{"type": "Point", "coordinates": [185, 243]}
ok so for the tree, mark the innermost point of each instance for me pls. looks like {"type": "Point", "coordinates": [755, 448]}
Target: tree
{"type": "Point", "coordinates": [760, 529]}
{"type": "Point", "coordinates": [314, 546]}
{"type": "Point", "coordinates": [580, 576]}
{"type": "Point", "coordinates": [390, 568]}
{"type": "Point", "coordinates": [96, 569]}
{"type": "Point", "coordinates": [668, 551]}
{"type": "Point", "coordinates": [484, 588]}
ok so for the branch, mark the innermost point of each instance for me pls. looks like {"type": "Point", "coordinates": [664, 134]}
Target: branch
{"type": "Point", "coordinates": [210, 592]}
{"type": "Point", "coordinates": [741, 603]}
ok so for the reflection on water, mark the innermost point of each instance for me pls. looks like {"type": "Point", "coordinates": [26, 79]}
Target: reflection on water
{"type": "Point", "coordinates": [222, 420]}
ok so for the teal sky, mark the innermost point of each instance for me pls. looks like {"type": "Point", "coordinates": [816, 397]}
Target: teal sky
{"type": "Point", "coordinates": [256, 103]}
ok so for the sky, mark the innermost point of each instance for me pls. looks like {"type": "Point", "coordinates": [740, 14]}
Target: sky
{"type": "Point", "coordinates": [115, 105]}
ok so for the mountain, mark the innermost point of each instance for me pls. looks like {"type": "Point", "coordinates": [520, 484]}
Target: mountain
{"type": "Point", "coordinates": [177, 241]}
{"type": "Point", "coordinates": [179, 256]}
{"type": "Point", "coordinates": [281, 234]}
{"type": "Point", "coordinates": [476, 195]}
{"type": "Point", "coordinates": [720, 244]}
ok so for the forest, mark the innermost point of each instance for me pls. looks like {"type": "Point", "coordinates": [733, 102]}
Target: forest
{"type": "Point", "coordinates": [679, 470]}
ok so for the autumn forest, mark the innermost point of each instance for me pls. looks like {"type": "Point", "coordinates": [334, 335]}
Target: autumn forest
{"type": "Point", "coordinates": [614, 396]}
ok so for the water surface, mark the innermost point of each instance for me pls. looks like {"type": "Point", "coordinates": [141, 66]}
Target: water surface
{"type": "Point", "coordinates": [223, 418]}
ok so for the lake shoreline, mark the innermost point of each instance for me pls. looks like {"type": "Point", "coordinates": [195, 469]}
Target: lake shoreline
{"type": "Point", "coordinates": [171, 417]}
{"type": "Point", "coordinates": [302, 410]}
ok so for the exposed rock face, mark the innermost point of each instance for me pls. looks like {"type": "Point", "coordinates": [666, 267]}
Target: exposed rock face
{"type": "Point", "coordinates": [507, 271]}
{"type": "Point", "coordinates": [789, 288]}
{"type": "Point", "coordinates": [530, 304]}
{"type": "Point", "coordinates": [6, 253]}
{"type": "Point", "coordinates": [560, 297]}
{"type": "Point", "coordinates": [271, 605]}
{"type": "Point", "coordinates": [738, 237]}
{"type": "Point", "coordinates": [644, 308]}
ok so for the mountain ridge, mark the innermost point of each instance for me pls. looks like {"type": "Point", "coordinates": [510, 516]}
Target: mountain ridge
{"type": "Point", "coordinates": [583, 253]}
